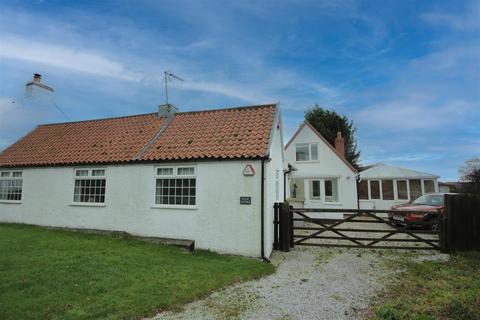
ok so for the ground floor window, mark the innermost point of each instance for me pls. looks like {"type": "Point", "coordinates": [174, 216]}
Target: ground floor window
{"type": "Point", "coordinates": [402, 190]}
{"type": "Point", "coordinates": [315, 189]}
{"type": "Point", "coordinates": [363, 190]}
{"type": "Point", "coordinates": [90, 185]}
{"type": "Point", "coordinates": [415, 189]}
{"type": "Point", "coordinates": [331, 190]}
{"type": "Point", "coordinates": [428, 186]}
{"type": "Point", "coordinates": [387, 190]}
{"type": "Point", "coordinates": [384, 189]}
{"type": "Point", "coordinates": [374, 189]}
{"type": "Point", "coordinates": [11, 185]}
{"type": "Point", "coordinates": [176, 186]}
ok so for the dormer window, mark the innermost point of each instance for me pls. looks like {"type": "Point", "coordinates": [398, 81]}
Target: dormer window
{"type": "Point", "coordinates": [306, 151]}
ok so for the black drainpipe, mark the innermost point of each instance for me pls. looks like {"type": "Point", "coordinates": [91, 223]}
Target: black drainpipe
{"type": "Point", "coordinates": [262, 213]}
{"type": "Point", "coordinates": [290, 169]}
{"type": "Point", "coordinates": [357, 178]}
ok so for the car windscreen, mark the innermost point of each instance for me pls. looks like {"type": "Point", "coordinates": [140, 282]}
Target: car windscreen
{"type": "Point", "coordinates": [430, 200]}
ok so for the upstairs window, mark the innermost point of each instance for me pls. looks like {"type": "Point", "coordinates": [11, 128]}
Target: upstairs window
{"type": "Point", "coordinates": [11, 184]}
{"type": "Point", "coordinates": [89, 186]}
{"type": "Point", "coordinates": [306, 152]}
{"type": "Point", "coordinates": [176, 186]}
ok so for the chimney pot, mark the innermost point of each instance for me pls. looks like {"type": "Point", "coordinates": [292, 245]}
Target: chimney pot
{"type": "Point", "coordinates": [37, 77]}
{"type": "Point", "coordinates": [340, 144]}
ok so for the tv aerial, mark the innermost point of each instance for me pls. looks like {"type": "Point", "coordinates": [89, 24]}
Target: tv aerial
{"type": "Point", "coordinates": [168, 78]}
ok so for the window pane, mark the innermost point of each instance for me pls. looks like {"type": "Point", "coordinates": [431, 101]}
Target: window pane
{"type": "Point", "coordinates": [374, 189]}
{"type": "Point", "coordinates": [11, 189]}
{"type": "Point", "coordinates": [315, 189]}
{"type": "Point", "coordinates": [402, 190]}
{"type": "Point", "coordinates": [302, 152]}
{"type": "Point", "coordinates": [165, 171]}
{"type": "Point", "coordinates": [331, 190]}
{"type": "Point", "coordinates": [314, 149]}
{"type": "Point", "coordinates": [429, 186]}
{"type": "Point", "coordinates": [186, 171]}
{"type": "Point", "coordinates": [175, 191]}
{"type": "Point", "coordinates": [81, 173]}
{"type": "Point", "coordinates": [17, 174]}
{"type": "Point", "coordinates": [387, 189]}
{"type": "Point", "coordinates": [5, 174]}
{"type": "Point", "coordinates": [363, 190]}
{"type": "Point", "coordinates": [98, 173]}
{"type": "Point", "coordinates": [89, 190]}
{"type": "Point", "coordinates": [415, 189]}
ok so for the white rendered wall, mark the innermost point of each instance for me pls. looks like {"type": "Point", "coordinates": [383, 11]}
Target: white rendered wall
{"type": "Point", "coordinates": [271, 168]}
{"type": "Point", "coordinates": [329, 165]}
{"type": "Point", "coordinates": [219, 222]}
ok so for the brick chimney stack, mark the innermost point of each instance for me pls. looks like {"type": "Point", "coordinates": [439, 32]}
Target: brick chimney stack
{"type": "Point", "coordinates": [340, 144]}
{"type": "Point", "coordinates": [37, 77]}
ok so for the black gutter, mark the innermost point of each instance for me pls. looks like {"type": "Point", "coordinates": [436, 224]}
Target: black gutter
{"type": "Point", "coordinates": [262, 213]}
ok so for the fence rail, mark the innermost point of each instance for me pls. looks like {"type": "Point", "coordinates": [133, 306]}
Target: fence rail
{"type": "Point", "coordinates": [341, 232]}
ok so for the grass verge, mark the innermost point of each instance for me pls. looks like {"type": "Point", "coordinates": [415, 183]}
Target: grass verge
{"type": "Point", "coordinates": [52, 274]}
{"type": "Point", "coordinates": [432, 290]}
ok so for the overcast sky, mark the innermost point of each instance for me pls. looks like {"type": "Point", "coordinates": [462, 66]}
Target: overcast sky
{"type": "Point", "coordinates": [406, 72]}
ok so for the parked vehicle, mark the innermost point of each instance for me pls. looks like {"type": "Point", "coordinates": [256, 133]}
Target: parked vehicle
{"type": "Point", "coordinates": [429, 205]}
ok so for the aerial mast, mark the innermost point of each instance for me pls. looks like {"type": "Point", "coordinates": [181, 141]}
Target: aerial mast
{"type": "Point", "coordinates": [169, 77]}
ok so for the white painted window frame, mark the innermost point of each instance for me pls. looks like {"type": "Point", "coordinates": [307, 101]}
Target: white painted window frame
{"type": "Point", "coordinates": [89, 176]}
{"type": "Point", "coordinates": [308, 187]}
{"type": "Point", "coordinates": [175, 175]}
{"type": "Point", "coordinates": [396, 189]}
{"type": "Point", "coordinates": [12, 178]}
{"type": "Point", "coordinates": [309, 151]}
{"type": "Point", "coordinates": [380, 194]}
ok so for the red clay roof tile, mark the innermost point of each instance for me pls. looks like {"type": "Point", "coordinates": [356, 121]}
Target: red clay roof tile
{"type": "Point", "coordinates": [222, 134]}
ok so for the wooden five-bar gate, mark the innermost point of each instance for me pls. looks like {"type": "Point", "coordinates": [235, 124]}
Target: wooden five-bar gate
{"type": "Point", "coordinates": [358, 228]}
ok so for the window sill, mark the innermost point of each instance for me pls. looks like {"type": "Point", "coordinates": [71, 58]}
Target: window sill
{"type": "Point", "coordinates": [307, 161]}
{"type": "Point", "coordinates": [87, 204]}
{"type": "Point", "coordinates": [181, 207]}
{"type": "Point", "coordinates": [11, 201]}
{"type": "Point", "coordinates": [326, 202]}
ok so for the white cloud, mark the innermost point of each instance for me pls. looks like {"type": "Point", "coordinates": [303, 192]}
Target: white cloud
{"type": "Point", "coordinates": [414, 112]}
{"type": "Point", "coordinates": [6, 104]}
{"type": "Point", "coordinates": [469, 20]}
{"type": "Point", "coordinates": [14, 47]}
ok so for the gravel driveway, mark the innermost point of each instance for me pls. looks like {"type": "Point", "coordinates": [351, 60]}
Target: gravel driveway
{"type": "Point", "coordinates": [310, 283]}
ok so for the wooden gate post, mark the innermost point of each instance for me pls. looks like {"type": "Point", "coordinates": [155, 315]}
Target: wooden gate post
{"type": "Point", "coordinates": [284, 227]}
{"type": "Point", "coordinates": [276, 222]}
{"type": "Point", "coordinates": [442, 231]}
{"type": "Point", "coordinates": [290, 224]}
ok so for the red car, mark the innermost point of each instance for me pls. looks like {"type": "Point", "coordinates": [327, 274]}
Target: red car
{"type": "Point", "coordinates": [430, 203]}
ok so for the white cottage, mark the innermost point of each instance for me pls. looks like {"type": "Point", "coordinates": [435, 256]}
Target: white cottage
{"type": "Point", "coordinates": [381, 186]}
{"type": "Point", "coordinates": [321, 178]}
{"type": "Point", "coordinates": [208, 176]}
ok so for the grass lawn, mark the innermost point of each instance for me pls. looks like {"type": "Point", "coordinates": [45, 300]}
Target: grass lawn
{"type": "Point", "coordinates": [433, 290]}
{"type": "Point", "coordinates": [52, 274]}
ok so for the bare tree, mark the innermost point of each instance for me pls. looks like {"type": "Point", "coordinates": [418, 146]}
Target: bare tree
{"type": "Point", "coordinates": [470, 176]}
